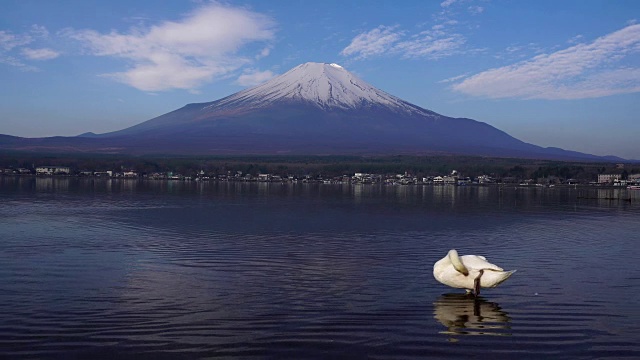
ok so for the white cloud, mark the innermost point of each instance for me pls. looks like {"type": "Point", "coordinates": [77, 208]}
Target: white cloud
{"type": "Point", "coordinates": [12, 61]}
{"type": "Point", "coordinates": [578, 72]}
{"type": "Point", "coordinates": [433, 44]}
{"type": "Point", "coordinates": [40, 54]}
{"type": "Point", "coordinates": [39, 31]}
{"type": "Point", "coordinates": [254, 77]}
{"type": "Point", "coordinates": [454, 78]}
{"type": "Point", "coordinates": [443, 39]}
{"type": "Point", "coordinates": [517, 52]}
{"type": "Point", "coordinates": [264, 53]}
{"type": "Point", "coordinates": [182, 54]}
{"type": "Point", "coordinates": [13, 50]}
{"type": "Point", "coordinates": [475, 10]}
{"type": "Point", "coordinates": [375, 42]}
{"type": "Point", "coordinates": [8, 41]}
{"type": "Point", "coordinates": [447, 3]}
{"type": "Point", "coordinates": [576, 39]}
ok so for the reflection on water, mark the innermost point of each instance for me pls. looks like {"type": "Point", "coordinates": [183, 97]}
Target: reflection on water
{"type": "Point", "coordinates": [464, 314]}
{"type": "Point", "coordinates": [119, 268]}
{"type": "Point", "coordinates": [46, 184]}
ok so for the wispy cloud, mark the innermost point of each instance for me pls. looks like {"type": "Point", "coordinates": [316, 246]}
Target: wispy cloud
{"type": "Point", "coordinates": [447, 3]}
{"type": "Point", "coordinates": [453, 79]}
{"type": "Point", "coordinates": [264, 53]}
{"type": "Point", "coordinates": [184, 54]}
{"type": "Point", "coordinates": [8, 40]}
{"type": "Point", "coordinates": [475, 10]}
{"type": "Point", "coordinates": [441, 40]}
{"type": "Point", "coordinates": [374, 42]}
{"type": "Point", "coordinates": [13, 50]}
{"type": "Point", "coordinates": [517, 52]}
{"type": "Point", "coordinates": [433, 44]}
{"type": "Point", "coordinates": [40, 54]}
{"type": "Point", "coordinates": [15, 62]}
{"type": "Point", "coordinates": [254, 77]}
{"type": "Point", "coordinates": [39, 31]}
{"type": "Point", "coordinates": [585, 70]}
{"type": "Point", "coordinates": [576, 39]}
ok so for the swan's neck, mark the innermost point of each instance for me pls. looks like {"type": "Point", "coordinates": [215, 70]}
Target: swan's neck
{"type": "Point", "coordinates": [457, 263]}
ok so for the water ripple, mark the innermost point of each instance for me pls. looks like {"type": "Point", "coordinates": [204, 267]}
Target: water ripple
{"type": "Point", "coordinates": [131, 270]}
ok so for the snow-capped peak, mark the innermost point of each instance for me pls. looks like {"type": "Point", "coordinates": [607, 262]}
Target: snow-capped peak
{"type": "Point", "coordinates": [324, 85]}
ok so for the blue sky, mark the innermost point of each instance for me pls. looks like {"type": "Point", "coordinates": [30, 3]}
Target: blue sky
{"type": "Point", "coordinates": [553, 73]}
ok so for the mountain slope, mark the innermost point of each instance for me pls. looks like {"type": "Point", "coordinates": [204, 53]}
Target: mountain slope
{"type": "Point", "coordinates": [327, 86]}
{"type": "Point", "coordinates": [312, 109]}
{"type": "Point", "coordinates": [313, 87]}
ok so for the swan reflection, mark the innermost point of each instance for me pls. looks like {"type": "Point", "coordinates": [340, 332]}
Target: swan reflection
{"type": "Point", "coordinates": [463, 314]}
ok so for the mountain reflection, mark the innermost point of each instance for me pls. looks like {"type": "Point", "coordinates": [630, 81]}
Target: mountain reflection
{"type": "Point", "coordinates": [463, 314]}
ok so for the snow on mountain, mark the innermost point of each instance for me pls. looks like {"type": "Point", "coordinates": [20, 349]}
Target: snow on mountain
{"type": "Point", "coordinates": [327, 86]}
{"type": "Point", "coordinates": [312, 109]}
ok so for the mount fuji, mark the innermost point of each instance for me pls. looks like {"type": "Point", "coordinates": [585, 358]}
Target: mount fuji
{"type": "Point", "coordinates": [312, 109]}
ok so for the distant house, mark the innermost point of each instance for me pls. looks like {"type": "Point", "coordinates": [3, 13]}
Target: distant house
{"type": "Point", "coordinates": [451, 179]}
{"type": "Point", "coordinates": [618, 182]}
{"type": "Point", "coordinates": [485, 179]}
{"type": "Point", "coordinates": [634, 179]}
{"type": "Point", "coordinates": [52, 170]}
{"type": "Point", "coordinates": [107, 173]}
{"type": "Point", "coordinates": [608, 178]}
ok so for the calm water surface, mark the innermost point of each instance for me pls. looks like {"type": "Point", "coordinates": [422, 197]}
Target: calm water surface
{"type": "Point", "coordinates": [135, 269]}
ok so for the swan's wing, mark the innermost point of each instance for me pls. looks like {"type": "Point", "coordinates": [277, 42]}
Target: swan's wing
{"type": "Point", "coordinates": [478, 262]}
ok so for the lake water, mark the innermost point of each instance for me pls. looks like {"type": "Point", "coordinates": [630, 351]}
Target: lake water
{"type": "Point", "coordinates": [182, 270]}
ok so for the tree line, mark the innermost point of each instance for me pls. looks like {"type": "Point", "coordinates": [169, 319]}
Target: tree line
{"type": "Point", "coordinates": [324, 165]}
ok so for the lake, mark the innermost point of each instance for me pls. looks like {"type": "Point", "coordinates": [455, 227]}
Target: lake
{"type": "Point", "coordinates": [99, 268]}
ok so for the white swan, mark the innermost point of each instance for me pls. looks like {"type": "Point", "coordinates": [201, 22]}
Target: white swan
{"type": "Point", "coordinates": [470, 272]}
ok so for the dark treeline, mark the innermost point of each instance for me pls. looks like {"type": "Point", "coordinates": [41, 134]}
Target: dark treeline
{"type": "Point", "coordinates": [323, 165]}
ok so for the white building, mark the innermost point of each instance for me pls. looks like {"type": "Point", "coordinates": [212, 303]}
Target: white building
{"type": "Point", "coordinates": [451, 180]}
{"type": "Point", "coordinates": [52, 170]}
{"type": "Point", "coordinates": [108, 173]}
{"type": "Point", "coordinates": [634, 178]}
{"type": "Point", "coordinates": [608, 178]}
{"type": "Point", "coordinates": [485, 179]}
